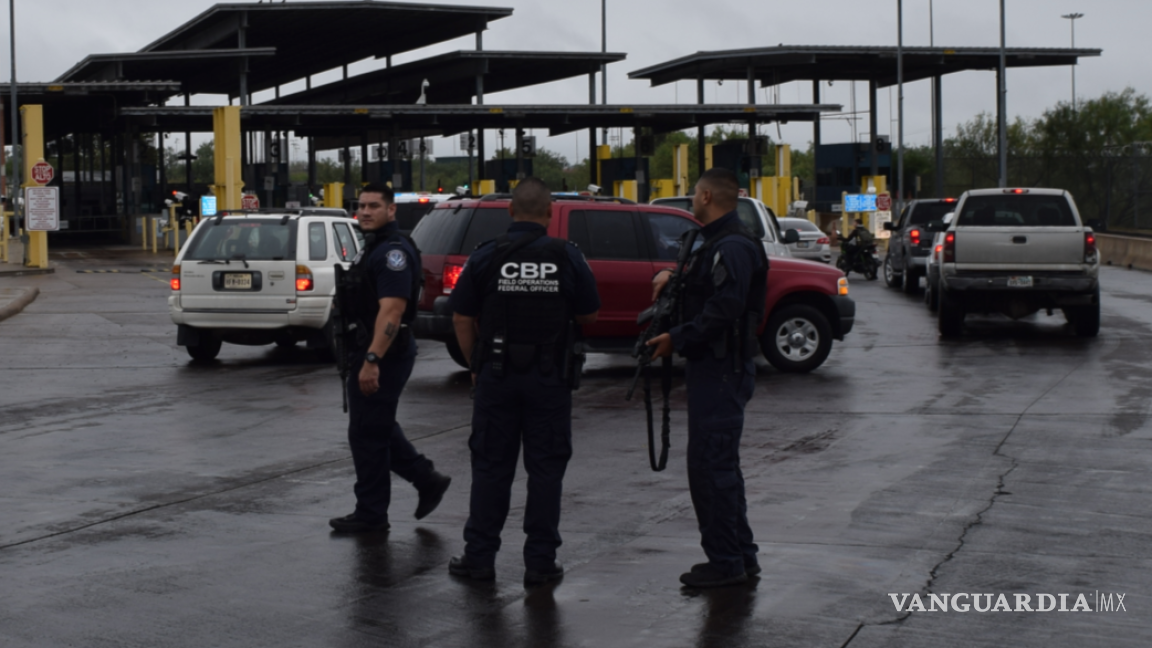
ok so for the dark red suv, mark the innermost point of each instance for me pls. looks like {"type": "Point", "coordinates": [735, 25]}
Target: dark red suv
{"type": "Point", "coordinates": [625, 244]}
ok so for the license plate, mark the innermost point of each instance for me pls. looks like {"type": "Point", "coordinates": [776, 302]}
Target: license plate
{"type": "Point", "coordinates": [237, 281]}
{"type": "Point", "coordinates": [802, 244]}
{"type": "Point", "coordinates": [1019, 282]}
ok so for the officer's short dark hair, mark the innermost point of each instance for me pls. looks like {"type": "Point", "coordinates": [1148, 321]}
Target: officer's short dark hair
{"type": "Point", "coordinates": [382, 189]}
{"type": "Point", "coordinates": [532, 198]}
{"type": "Point", "coordinates": [724, 184]}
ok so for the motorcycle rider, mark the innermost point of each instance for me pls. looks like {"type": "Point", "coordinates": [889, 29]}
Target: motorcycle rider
{"type": "Point", "coordinates": [858, 242]}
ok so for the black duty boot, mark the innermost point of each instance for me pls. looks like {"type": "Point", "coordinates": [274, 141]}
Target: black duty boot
{"type": "Point", "coordinates": [750, 569]}
{"type": "Point", "coordinates": [704, 576]}
{"type": "Point", "coordinates": [541, 576]}
{"type": "Point", "coordinates": [464, 568]}
{"type": "Point", "coordinates": [356, 524]}
{"type": "Point", "coordinates": [431, 494]}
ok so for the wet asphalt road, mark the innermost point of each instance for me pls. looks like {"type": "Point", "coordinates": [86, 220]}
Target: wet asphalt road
{"type": "Point", "coordinates": [148, 501]}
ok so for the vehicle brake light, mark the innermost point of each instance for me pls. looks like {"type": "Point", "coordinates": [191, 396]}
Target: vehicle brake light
{"type": "Point", "coordinates": [915, 234]}
{"type": "Point", "coordinates": [304, 281]}
{"type": "Point", "coordinates": [937, 252]}
{"type": "Point", "coordinates": [949, 200]}
{"type": "Point", "coordinates": [950, 247]}
{"type": "Point", "coordinates": [425, 200]}
{"type": "Point", "coordinates": [1090, 253]}
{"type": "Point", "coordinates": [842, 286]}
{"type": "Point", "coordinates": [823, 240]}
{"type": "Point", "coordinates": [451, 276]}
{"type": "Point", "coordinates": [175, 280]}
{"type": "Point", "coordinates": [1016, 191]}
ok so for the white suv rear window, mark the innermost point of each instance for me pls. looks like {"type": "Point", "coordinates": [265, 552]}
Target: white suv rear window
{"type": "Point", "coordinates": [251, 239]}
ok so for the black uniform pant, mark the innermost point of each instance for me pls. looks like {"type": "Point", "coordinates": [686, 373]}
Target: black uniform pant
{"type": "Point", "coordinates": [518, 408]}
{"type": "Point", "coordinates": [716, 399]}
{"type": "Point", "coordinates": [377, 440]}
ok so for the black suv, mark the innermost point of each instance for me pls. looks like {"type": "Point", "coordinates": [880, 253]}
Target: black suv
{"type": "Point", "coordinates": [911, 242]}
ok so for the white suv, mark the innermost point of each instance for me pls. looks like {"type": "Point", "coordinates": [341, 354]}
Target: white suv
{"type": "Point", "coordinates": [260, 277]}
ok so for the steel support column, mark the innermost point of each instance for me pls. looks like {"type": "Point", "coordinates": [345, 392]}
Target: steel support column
{"type": "Point", "coordinates": [700, 143]}
{"type": "Point", "coordinates": [938, 133]}
{"type": "Point", "coordinates": [872, 126]}
{"type": "Point", "coordinates": [815, 142]}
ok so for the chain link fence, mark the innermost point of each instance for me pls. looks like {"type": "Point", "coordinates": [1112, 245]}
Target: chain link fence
{"type": "Point", "coordinates": [1112, 187]}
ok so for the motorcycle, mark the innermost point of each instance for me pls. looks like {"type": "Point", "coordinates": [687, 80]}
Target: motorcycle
{"type": "Point", "coordinates": [858, 257]}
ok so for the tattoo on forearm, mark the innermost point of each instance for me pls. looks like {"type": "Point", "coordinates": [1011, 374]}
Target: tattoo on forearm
{"type": "Point", "coordinates": [390, 330]}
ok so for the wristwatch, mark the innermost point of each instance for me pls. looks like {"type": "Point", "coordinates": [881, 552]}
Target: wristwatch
{"type": "Point", "coordinates": [372, 357]}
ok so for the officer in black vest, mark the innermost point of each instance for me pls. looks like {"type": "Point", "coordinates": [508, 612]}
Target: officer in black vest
{"type": "Point", "coordinates": [517, 308]}
{"type": "Point", "coordinates": [723, 302]}
{"type": "Point", "coordinates": [381, 291]}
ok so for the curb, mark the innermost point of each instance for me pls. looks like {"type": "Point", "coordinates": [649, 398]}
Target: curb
{"type": "Point", "coordinates": [26, 272]}
{"type": "Point", "coordinates": [17, 305]}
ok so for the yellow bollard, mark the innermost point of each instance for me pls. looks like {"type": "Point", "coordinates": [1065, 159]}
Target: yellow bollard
{"type": "Point", "coordinates": [144, 233]}
{"type": "Point", "coordinates": [155, 233]}
{"type": "Point", "coordinates": [4, 216]}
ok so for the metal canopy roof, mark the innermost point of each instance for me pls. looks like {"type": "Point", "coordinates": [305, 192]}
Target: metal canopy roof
{"type": "Point", "coordinates": [381, 122]}
{"type": "Point", "coordinates": [313, 37]}
{"type": "Point", "coordinates": [207, 71]}
{"type": "Point", "coordinates": [83, 107]}
{"type": "Point", "coordinates": [775, 65]}
{"type": "Point", "coordinates": [451, 77]}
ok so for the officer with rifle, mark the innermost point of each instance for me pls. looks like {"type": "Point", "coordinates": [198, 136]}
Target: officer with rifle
{"type": "Point", "coordinates": [375, 304]}
{"type": "Point", "coordinates": [517, 308]}
{"type": "Point", "coordinates": [722, 291]}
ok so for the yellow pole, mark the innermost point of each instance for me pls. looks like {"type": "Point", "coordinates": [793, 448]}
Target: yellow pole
{"type": "Point", "coordinates": [144, 233]}
{"type": "Point", "coordinates": [155, 234]}
{"type": "Point", "coordinates": [680, 169]}
{"type": "Point", "coordinates": [4, 216]}
{"type": "Point", "coordinates": [32, 120]}
{"type": "Point", "coordinates": [707, 158]}
{"type": "Point", "coordinates": [228, 171]}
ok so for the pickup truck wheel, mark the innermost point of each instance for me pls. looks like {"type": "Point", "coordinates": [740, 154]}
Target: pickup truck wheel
{"type": "Point", "coordinates": [891, 277]}
{"type": "Point", "coordinates": [797, 339]}
{"type": "Point", "coordinates": [207, 349]}
{"type": "Point", "coordinates": [932, 296]}
{"type": "Point", "coordinates": [951, 315]}
{"type": "Point", "coordinates": [1085, 319]}
{"type": "Point", "coordinates": [456, 353]}
{"type": "Point", "coordinates": [911, 282]}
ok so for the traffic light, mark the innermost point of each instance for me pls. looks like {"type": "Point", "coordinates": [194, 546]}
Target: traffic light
{"type": "Point", "coordinates": [883, 144]}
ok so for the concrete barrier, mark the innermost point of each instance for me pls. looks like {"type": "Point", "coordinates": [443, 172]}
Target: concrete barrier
{"type": "Point", "coordinates": [1125, 251]}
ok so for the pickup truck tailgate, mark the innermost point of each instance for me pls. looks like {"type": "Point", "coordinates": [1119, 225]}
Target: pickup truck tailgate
{"type": "Point", "coordinates": [1019, 246]}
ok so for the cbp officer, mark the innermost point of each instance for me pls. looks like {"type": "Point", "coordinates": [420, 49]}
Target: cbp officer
{"type": "Point", "coordinates": [516, 308]}
{"type": "Point", "coordinates": [381, 291]}
{"type": "Point", "coordinates": [725, 285]}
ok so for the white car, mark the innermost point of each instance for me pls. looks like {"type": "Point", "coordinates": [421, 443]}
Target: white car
{"type": "Point", "coordinates": [813, 245]}
{"type": "Point", "coordinates": [260, 277]}
{"type": "Point", "coordinates": [753, 213]}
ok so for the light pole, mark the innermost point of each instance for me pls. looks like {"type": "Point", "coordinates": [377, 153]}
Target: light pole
{"type": "Point", "coordinates": [1001, 96]}
{"type": "Point", "coordinates": [900, 105]}
{"type": "Point", "coordinates": [1072, 17]}
{"type": "Point", "coordinates": [14, 190]}
{"type": "Point", "coordinates": [603, 64]}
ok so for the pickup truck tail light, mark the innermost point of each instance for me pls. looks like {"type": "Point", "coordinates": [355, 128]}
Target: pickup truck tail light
{"type": "Point", "coordinates": [915, 235]}
{"type": "Point", "coordinates": [175, 280]}
{"type": "Point", "coordinates": [1091, 255]}
{"type": "Point", "coordinates": [451, 276]}
{"type": "Point", "coordinates": [950, 247]}
{"type": "Point", "coordinates": [823, 240]}
{"type": "Point", "coordinates": [304, 281]}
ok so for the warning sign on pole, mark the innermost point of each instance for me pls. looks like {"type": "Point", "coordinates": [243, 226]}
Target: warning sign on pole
{"type": "Point", "coordinates": [42, 209]}
{"type": "Point", "coordinates": [884, 202]}
{"type": "Point", "coordinates": [42, 173]}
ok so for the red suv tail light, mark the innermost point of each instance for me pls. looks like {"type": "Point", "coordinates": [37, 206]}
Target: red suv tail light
{"type": "Point", "coordinates": [1091, 255]}
{"type": "Point", "coordinates": [451, 276]}
{"type": "Point", "coordinates": [950, 247]}
{"type": "Point", "coordinates": [915, 235]}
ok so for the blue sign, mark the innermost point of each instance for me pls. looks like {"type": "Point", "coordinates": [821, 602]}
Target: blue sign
{"type": "Point", "coordinates": [860, 203]}
{"type": "Point", "coordinates": [207, 206]}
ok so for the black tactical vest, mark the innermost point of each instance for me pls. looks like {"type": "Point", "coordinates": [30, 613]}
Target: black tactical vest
{"type": "Point", "coordinates": [356, 288]}
{"type": "Point", "coordinates": [525, 315]}
{"type": "Point", "coordinates": [701, 283]}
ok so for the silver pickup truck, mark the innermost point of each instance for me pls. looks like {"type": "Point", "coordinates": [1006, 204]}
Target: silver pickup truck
{"type": "Point", "coordinates": [1016, 252]}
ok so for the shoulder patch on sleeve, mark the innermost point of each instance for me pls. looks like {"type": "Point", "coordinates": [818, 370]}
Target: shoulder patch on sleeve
{"type": "Point", "coordinates": [397, 260]}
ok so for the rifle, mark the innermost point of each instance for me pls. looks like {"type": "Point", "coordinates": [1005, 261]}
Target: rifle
{"type": "Point", "coordinates": [660, 318]}
{"type": "Point", "coordinates": [342, 328]}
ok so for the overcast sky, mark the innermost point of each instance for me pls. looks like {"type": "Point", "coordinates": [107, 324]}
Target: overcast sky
{"type": "Point", "coordinates": [55, 34]}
